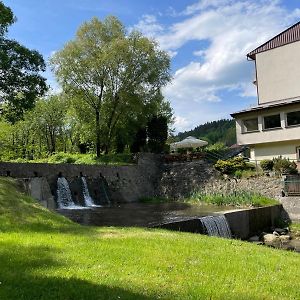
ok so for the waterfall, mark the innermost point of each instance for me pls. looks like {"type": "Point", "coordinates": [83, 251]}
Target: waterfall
{"type": "Point", "coordinates": [104, 191]}
{"type": "Point", "coordinates": [216, 226]}
{"type": "Point", "coordinates": [64, 196]}
{"type": "Point", "coordinates": [88, 200]}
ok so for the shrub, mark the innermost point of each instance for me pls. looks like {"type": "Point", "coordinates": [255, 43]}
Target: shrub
{"type": "Point", "coordinates": [267, 164]}
{"type": "Point", "coordinates": [246, 173]}
{"type": "Point", "coordinates": [231, 165]}
{"type": "Point", "coordinates": [217, 147]}
{"type": "Point", "coordinates": [284, 166]}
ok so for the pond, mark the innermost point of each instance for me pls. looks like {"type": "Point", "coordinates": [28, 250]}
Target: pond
{"type": "Point", "coordinates": [140, 214]}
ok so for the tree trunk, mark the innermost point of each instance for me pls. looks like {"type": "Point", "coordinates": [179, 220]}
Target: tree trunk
{"type": "Point", "coordinates": [98, 150]}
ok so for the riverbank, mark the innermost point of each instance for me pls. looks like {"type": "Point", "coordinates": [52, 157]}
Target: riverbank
{"type": "Point", "coordinates": [45, 256]}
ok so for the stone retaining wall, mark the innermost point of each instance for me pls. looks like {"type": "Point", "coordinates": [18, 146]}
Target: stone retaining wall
{"type": "Point", "coordinates": [125, 183]}
{"type": "Point", "coordinates": [264, 185]}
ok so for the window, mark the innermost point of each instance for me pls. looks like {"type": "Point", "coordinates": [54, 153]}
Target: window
{"type": "Point", "coordinates": [293, 118]}
{"type": "Point", "coordinates": [251, 125]}
{"type": "Point", "coordinates": [272, 121]}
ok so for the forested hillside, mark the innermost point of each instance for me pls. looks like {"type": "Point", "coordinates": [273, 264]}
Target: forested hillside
{"type": "Point", "coordinates": [217, 131]}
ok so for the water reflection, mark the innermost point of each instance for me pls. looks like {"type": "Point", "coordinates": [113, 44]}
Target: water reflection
{"type": "Point", "coordinates": [140, 214]}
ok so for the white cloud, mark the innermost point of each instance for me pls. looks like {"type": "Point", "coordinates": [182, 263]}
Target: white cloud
{"type": "Point", "coordinates": [229, 29]}
{"type": "Point", "coordinates": [182, 124]}
{"type": "Point", "coordinates": [199, 53]}
{"type": "Point", "coordinates": [149, 26]}
{"type": "Point", "coordinates": [204, 4]}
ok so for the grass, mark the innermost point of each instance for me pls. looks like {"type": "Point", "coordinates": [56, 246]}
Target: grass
{"type": "Point", "coordinates": [45, 256]}
{"type": "Point", "coordinates": [238, 198]}
{"type": "Point", "coordinates": [89, 159]}
{"type": "Point", "coordinates": [295, 228]}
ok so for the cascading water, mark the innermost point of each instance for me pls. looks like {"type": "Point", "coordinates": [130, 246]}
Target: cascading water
{"type": "Point", "coordinates": [88, 200]}
{"type": "Point", "coordinates": [104, 191]}
{"type": "Point", "coordinates": [64, 196]}
{"type": "Point", "coordinates": [216, 226]}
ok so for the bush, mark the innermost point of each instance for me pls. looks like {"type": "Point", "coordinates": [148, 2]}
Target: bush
{"type": "Point", "coordinates": [217, 147]}
{"type": "Point", "coordinates": [267, 164]}
{"type": "Point", "coordinates": [231, 165]}
{"type": "Point", "coordinates": [284, 166]}
{"type": "Point", "coordinates": [249, 173]}
{"type": "Point", "coordinates": [62, 158]}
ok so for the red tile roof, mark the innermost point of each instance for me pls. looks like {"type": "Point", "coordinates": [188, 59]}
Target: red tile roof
{"type": "Point", "coordinates": [290, 35]}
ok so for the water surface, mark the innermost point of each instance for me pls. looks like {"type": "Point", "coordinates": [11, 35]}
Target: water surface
{"type": "Point", "coordinates": [140, 214]}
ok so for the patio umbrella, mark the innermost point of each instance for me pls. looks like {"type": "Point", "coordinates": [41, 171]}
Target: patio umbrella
{"type": "Point", "coordinates": [189, 142]}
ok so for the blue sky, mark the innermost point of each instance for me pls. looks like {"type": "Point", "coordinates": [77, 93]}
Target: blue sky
{"type": "Point", "coordinates": [208, 41]}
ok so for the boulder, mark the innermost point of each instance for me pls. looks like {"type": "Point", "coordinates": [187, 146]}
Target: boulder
{"type": "Point", "coordinates": [281, 231]}
{"type": "Point", "coordinates": [285, 238]}
{"type": "Point", "coordinates": [270, 238]}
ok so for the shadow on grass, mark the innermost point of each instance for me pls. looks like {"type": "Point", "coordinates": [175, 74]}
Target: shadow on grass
{"type": "Point", "coordinates": [28, 273]}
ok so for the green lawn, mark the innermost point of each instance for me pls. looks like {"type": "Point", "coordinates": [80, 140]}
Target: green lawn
{"type": "Point", "coordinates": [45, 256]}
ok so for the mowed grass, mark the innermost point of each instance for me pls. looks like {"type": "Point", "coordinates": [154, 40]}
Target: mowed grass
{"type": "Point", "coordinates": [45, 256]}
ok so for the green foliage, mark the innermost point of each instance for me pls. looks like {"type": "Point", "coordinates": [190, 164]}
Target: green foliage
{"type": "Point", "coordinates": [140, 141]}
{"type": "Point", "coordinates": [6, 18]}
{"type": "Point", "coordinates": [222, 131]}
{"type": "Point", "coordinates": [116, 76]}
{"type": "Point", "coordinates": [217, 147]}
{"type": "Point", "coordinates": [157, 131]}
{"type": "Point", "coordinates": [234, 198]}
{"type": "Point", "coordinates": [284, 166]}
{"type": "Point", "coordinates": [267, 164]}
{"type": "Point", "coordinates": [20, 68]}
{"type": "Point", "coordinates": [88, 159]}
{"type": "Point", "coordinates": [248, 173]}
{"type": "Point", "coordinates": [231, 165]}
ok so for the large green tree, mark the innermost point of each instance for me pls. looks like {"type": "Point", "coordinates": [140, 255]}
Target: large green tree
{"type": "Point", "coordinates": [113, 72]}
{"type": "Point", "coordinates": [20, 79]}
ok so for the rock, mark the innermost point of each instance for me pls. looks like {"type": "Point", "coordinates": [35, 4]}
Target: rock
{"type": "Point", "coordinates": [288, 247]}
{"type": "Point", "coordinates": [281, 231]}
{"type": "Point", "coordinates": [254, 238]}
{"type": "Point", "coordinates": [270, 238]}
{"type": "Point", "coordinates": [261, 236]}
{"type": "Point", "coordinates": [285, 238]}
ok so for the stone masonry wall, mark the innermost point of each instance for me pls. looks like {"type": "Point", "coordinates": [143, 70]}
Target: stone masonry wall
{"type": "Point", "coordinates": [179, 180]}
{"type": "Point", "coordinates": [268, 186]}
{"type": "Point", "coordinates": [125, 183]}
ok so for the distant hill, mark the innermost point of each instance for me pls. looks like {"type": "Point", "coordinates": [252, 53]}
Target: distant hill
{"type": "Point", "coordinates": [213, 132]}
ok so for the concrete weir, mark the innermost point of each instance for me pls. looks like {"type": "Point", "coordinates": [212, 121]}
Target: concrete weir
{"type": "Point", "coordinates": [243, 223]}
{"type": "Point", "coordinates": [125, 183]}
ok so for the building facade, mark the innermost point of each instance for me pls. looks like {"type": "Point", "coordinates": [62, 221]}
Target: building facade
{"type": "Point", "coordinates": [272, 128]}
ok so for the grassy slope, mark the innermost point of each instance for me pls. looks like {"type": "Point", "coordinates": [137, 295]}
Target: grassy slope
{"type": "Point", "coordinates": [45, 256]}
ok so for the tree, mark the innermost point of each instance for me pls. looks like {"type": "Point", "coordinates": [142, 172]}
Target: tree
{"type": "Point", "coordinates": [48, 116]}
{"type": "Point", "coordinates": [157, 130]}
{"type": "Point", "coordinates": [20, 79]}
{"type": "Point", "coordinates": [111, 71]}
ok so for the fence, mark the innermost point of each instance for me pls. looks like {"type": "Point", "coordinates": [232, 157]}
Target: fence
{"type": "Point", "coordinates": [291, 185]}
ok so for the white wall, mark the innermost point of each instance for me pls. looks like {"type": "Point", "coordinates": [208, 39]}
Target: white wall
{"type": "Point", "coordinates": [278, 73]}
{"type": "Point", "coordinates": [268, 136]}
{"type": "Point", "coordinates": [271, 150]}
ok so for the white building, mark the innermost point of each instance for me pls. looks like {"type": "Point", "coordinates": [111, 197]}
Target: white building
{"type": "Point", "coordinates": [272, 128]}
